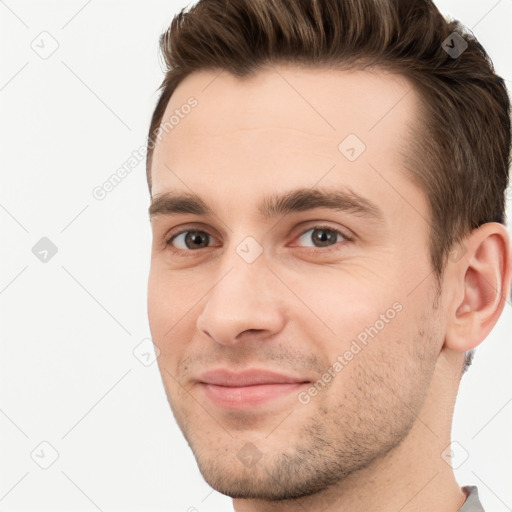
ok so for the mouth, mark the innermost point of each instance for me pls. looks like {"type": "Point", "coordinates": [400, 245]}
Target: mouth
{"type": "Point", "coordinates": [247, 389]}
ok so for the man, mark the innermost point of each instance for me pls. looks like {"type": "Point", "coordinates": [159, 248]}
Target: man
{"type": "Point", "coordinates": [327, 182]}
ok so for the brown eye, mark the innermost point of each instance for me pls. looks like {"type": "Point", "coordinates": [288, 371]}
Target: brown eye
{"type": "Point", "coordinates": [321, 236]}
{"type": "Point", "coordinates": [190, 240]}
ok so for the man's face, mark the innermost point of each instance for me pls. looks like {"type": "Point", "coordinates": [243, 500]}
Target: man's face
{"type": "Point", "coordinates": [295, 339]}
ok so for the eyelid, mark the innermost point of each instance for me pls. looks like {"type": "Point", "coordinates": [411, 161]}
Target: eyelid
{"type": "Point", "coordinates": [171, 235]}
{"type": "Point", "coordinates": [192, 226]}
{"type": "Point", "coordinates": [322, 225]}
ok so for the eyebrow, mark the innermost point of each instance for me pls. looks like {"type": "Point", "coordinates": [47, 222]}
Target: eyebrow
{"type": "Point", "coordinates": [274, 205]}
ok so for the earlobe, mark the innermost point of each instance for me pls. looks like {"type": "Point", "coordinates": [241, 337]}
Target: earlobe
{"type": "Point", "coordinates": [482, 283]}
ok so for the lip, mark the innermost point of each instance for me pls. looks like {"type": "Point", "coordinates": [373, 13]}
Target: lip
{"type": "Point", "coordinates": [247, 389]}
{"type": "Point", "coordinates": [250, 377]}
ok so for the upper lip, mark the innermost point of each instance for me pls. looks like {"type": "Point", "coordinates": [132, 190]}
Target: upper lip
{"type": "Point", "coordinates": [250, 377]}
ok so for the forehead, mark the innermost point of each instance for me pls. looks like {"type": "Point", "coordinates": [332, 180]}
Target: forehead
{"type": "Point", "coordinates": [282, 127]}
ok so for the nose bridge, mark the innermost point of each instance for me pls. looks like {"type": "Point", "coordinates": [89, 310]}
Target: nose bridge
{"type": "Point", "coordinates": [242, 297]}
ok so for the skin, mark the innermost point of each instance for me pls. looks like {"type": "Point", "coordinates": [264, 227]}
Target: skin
{"type": "Point", "coordinates": [372, 439]}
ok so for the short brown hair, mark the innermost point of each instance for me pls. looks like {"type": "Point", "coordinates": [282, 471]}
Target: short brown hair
{"type": "Point", "coordinates": [460, 152]}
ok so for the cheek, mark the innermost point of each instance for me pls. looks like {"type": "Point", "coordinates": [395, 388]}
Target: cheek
{"type": "Point", "coordinates": [170, 296]}
{"type": "Point", "coordinates": [383, 367]}
{"type": "Point", "coordinates": [342, 304]}
{"type": "Point", "coordinates": [368, 322]}
{"type": "Point", "coordinates": [164, 307]}
{"type": "Point", "coordinates": [173, 305]}
{"type": "Point", "coordinates": [157, 302]}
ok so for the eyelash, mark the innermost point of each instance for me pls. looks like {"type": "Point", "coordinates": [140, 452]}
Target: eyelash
{"type": "Point", "coordinates": [190, 252]}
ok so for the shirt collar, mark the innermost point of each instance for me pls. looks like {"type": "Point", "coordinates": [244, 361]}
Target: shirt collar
{"type": "Point", "coordinates": [472, 503]}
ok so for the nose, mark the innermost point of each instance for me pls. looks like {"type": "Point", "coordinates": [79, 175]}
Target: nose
{"type": "Point", "coordinates": [244, 302]}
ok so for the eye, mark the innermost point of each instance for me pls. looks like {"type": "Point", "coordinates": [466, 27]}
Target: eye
{"type": "Point", "coordinates": [190, 240]}
{"type": "Point", "coordinates": [317, 237]}
{"type": "Point", "coordinates": [322, 236]}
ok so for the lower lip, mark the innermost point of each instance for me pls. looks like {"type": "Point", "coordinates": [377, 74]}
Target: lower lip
{"type": "Point", "coordinates": [248, 396]}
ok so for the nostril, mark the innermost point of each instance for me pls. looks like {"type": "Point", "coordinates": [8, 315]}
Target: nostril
{"type": "Point", "coordinates": [250, 331]}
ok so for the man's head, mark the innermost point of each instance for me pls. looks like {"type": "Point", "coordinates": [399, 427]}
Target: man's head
{"type": "Point", "coordinates": [327, 206]}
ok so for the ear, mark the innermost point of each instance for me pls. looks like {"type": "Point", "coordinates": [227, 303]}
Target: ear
{"type": "Point", "coordinates": [479, 285]}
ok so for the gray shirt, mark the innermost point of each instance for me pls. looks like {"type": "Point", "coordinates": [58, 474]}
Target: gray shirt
{"type": "Point", "coordinates": [472, 503]}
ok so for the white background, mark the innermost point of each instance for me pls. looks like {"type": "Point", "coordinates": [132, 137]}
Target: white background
{"type": "Point", "coordinates": [69, 326]}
